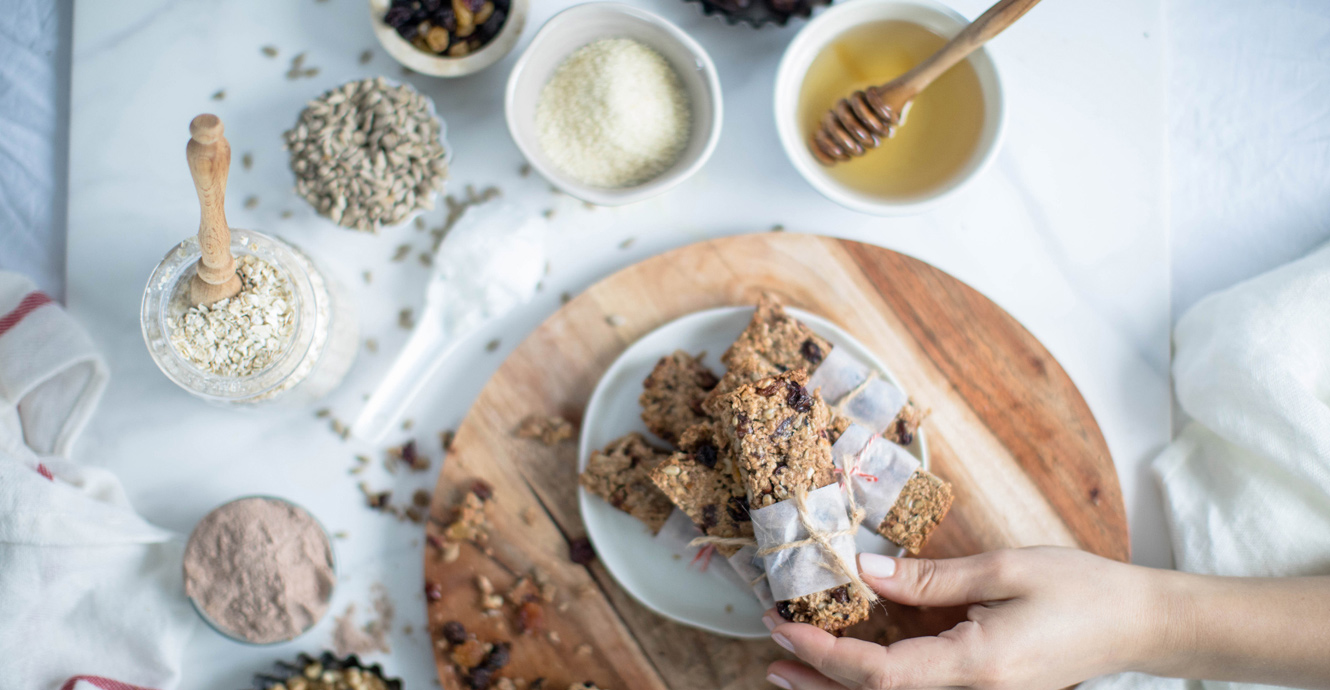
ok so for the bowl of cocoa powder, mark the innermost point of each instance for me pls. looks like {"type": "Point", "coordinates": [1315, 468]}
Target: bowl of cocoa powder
{"type": "Point", "coordinates": [260, 570]}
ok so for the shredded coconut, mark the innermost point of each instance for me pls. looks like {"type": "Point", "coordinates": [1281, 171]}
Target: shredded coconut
{"type": "Point", "coordinates": [614, 114]}
{"type": "Point", "coordinates": [242, 335]}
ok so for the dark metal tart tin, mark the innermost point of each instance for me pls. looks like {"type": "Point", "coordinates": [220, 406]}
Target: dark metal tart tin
{"type": "Point", "coordinates": [284, 671]}
{"type": "Point", "coordinates": [758, 13]}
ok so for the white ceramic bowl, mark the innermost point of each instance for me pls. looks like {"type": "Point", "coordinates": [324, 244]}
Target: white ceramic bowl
{"type": "Point", "coordinates": [658, 574]}
{"type": "Point", "coordinates": [443, 66]}
{"type": "Point", "coordinates": [589, 22]}
{"type": "Point", "coordinates": [810, 41]}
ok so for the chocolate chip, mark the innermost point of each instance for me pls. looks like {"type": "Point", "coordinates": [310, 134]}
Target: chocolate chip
{"type": "Point", "coordinates": [738, 509]}
{"type": "Point", "coordinates": [710, 516]}
{"type": "Point", "coordinates": [811, 352]}
{"type": "Point", "coordinates": [454, 632]}
{"type": "Point", "coordinates": [841, 594]}
{"type": "Point", "coordinates": [706, 455]}
{"type": "Point", "coordinates": [580, 551]}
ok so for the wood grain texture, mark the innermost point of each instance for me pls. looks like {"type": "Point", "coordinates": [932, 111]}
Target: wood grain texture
{"type": "Point", "coordinates": [1007, 427]}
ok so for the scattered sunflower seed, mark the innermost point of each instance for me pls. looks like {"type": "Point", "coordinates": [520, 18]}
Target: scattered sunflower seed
{"type": "Point", "coordinates": [368, 276]}
{"type": "Point", "coordinates": [286, 214]}
{"type": "Point", "coordinates": [456, 207]}
{"type": "Point", "coordinates": [311, 72]}
{"type": "Point", "coordinates": [362, 461]}
{"type": "Point", "coordinates": [406, 319]}
{"type": "Point", "coordinates": [219, 95]}
{"type": "Point", "coordinates": [247, 160]}
{"type": "Point", "coordinates": [366, 56]}
{"type": "Point", "coordinates": [565, 298]}
{"type": "Point", "coordinates": [323, 413]}
{"type": "Point", "coordinates": [525, 170]}
{"type": "Point", "coordinates": [778, 228]}
{"type": "Point", "coordinates": [729, 608]}
{"type": "Point", "coordinates": [426, 260]}
{"type": "Point", "coordinates": [402, 252]}
{"type": "Point", "coordinates": [407, 71]}
{"type": "Point", "coordinates": [408, 423]}
{"type": "Point", "coordinates": [371, 345]}
{"type": "Point", "coordinates": [492, 345]}
{"type": "Point", "coordinates": [420, 498]}
{"type": "Point", "coordinates": [627, 243]}
{"type": "Point", "coordinates": [341, 534]}
{"type": "Point", "coordinates": [339, 428]}
{"type": "Point", "coordinates": [251, 201]}
{"type": "Point", "coordinates": [589, 206]}
{"type": "Point", "coordinates": [446, 439]}
{"type": "Point", "coordinates": [420, 223]}
{"type": "Point", "coordinates": [549, 213]}
{"type": "Point", "coordinates": [615, 320]}
{"type": "Point", "coordinates": [270, 51]}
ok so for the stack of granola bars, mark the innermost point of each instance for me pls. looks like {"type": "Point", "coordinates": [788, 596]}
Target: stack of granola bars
{"type": "Point", "coordinates": [757, 436]}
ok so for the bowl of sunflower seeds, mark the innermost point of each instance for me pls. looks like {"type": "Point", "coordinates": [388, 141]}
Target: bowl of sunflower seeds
{"type": "Point", "coordinates": [448, 38]}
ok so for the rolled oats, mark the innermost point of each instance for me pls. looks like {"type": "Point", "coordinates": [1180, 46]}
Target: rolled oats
{"type": "Point", "coordinates": [242, 335]}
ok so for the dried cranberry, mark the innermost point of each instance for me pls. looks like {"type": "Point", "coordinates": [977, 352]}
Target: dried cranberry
{"type": "Point", "coordinates": [811, 352]}
{"type": "Point", "coordinates": [738, 509]}
{"type": "Point", "coordinates": [707, 380]}
{"type": "Point", "coordinates": [397, 17]}
{"type": "Point", "coordinates": [706, 455]}
{"type": "Point", "coordinates": [482, 490]}
{"type": "Point", "coordinates": [479, 678]}
{"type": "Point", "coordinates": [580, 551]}
{"type": "Point", "coordinates": [841, 594]}
{"type": "Point", "coordinates": [434, 541]}
{"type": "Point", "coordinates": [710, 516]}
{"type": "Point", "coordinates": [903, 434]}
{"type": "Point", "coordinates": [741, 425]}
{"type": "Point", "coordinates": [530, 617]}
{"type": "Point", "coordinates": [454, 632]}
{"type": "Point", "coordinates": [430, 5]}
{"type": "Point", "coordinates": [498, 656]}
{"type": "Point", "coordinates": [731, 5]}
{"type": "Point", "coordinates": [433, 592]}
{"type": "Point", "coordinates": [783, 429]}
{"type": "Point", "coordinates": [473, 5]}
{"type": "Point", "coordinates": [769, 391]}
{"type": "Point", "coordinates": [785, 6]}
{"type": "Point", "coordinates": [799, 398]}
{"type": "Point", "coordinates": [783, 608]}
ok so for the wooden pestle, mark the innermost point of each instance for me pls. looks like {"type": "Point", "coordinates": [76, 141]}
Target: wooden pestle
{"type": "Point", "coordinates": [209, 157]}
{"type": "Point", "coordinates": [859, 123]}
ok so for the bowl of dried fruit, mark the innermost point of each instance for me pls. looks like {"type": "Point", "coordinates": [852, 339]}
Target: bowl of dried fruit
{"type": "Point", "coordinates": [448, 38]}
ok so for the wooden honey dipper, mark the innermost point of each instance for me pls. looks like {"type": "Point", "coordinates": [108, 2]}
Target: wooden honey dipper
{"type": "Point", "coordinates": [858, 124]}
{"type": "Point", "coordinates": [209, 157]}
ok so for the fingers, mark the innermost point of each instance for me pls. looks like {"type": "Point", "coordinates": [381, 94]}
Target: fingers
{"type": "Point", "coordinates": [947, 582]}
{"type": "Point", "coordinates": [922, 662]}
{"type": "Point", "coordinates": [792, 675]}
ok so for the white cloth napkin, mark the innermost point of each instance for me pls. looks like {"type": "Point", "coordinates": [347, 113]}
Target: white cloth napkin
{"type": "Point", "coordinates": [87, 587]}
{"type": "Point", "coordinates": [1247, 483]}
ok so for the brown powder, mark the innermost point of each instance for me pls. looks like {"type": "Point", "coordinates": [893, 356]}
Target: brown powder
{"type": "Point", "coordinates": [348, 638]}
{"type": "Point", "coordinates": [260, 569]}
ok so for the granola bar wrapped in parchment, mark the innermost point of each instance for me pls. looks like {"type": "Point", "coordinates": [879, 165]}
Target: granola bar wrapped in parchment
{"type": "Point", "coordinates": [856, 392]}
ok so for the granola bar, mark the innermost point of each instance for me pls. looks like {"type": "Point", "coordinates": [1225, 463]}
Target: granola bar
{"type": "Point", "coordinates": [922, 504]}
{"type": "Point", "coordinates": [777, 432]}
{"type": "Point", "coordinates": [704, 482]}
{"type": "Point", "coordinates": [774, 342]}
{"type": "Point", "coordinates": [672, 395]}
{"type": "Point", "coordinates": [620, 474]}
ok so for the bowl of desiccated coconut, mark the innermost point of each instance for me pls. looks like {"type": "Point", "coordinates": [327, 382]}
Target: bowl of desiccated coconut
{"type": "Point", "coordinates": [448, 38]}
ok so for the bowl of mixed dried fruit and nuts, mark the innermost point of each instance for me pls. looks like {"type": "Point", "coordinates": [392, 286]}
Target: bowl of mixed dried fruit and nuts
{"type": "Point", "coordinates": [448, 38]}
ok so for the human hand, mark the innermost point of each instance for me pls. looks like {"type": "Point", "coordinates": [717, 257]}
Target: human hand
{"type": "Point", "coordinates": [1041, 617]}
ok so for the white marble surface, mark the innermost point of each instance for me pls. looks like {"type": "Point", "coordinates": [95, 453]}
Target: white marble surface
{"type": "Point", "coordinates": [1066, 231]}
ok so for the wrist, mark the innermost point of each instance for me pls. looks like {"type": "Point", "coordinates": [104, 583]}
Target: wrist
{"type": "Point", "coordinates": [1171, 625]}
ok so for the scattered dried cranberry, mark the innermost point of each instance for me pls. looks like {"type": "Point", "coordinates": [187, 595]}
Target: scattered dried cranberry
{"type": "Point", "coordinates": [841, 594]}
{"type": "Point", "coordinates": [482, 490]}
{"type": "Point", "coordinates": [433, 592]}
{"type": "Point", "coordinates": [738, 509]}
{"type": "Point", "coordinates": [710, 516]}
{"type": "Point", "coordinates": [530, 617]}
{"type": "Point", "coordinates": [413, 458]}
{"type": "Point", "coordinates": [454, 632]}
{"type": "Point", "coordinates": [434, 541]}
{"type": "Point", "coordinates": [498, 656]}
{"type": "Point", "coordinates": [397, 17]}
{"type": "Point", "coordinates": [706, 455]}
{"type": "Point", "coordinates": [811, 352]}
{"type": "Point", "coordinates": [580, 551]}
{"type": "Point", "coordinates": [479, 678]}
{"type": "Point", "coordinates": [783, 608]}
{"type": "Point", "coordinates": [799, 398]}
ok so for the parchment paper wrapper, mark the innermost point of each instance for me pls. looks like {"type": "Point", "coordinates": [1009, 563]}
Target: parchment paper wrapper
{"type": "Point", "coordinates": [804, 570]}
{"type": "Point", "coordinates": [747, 567]}
{"type": "Point", "coordinates": [860, 452]}
{"type": "Point", "coordinates": [676, 535]}
{"type": "Point", "coordinates": [839, 377]}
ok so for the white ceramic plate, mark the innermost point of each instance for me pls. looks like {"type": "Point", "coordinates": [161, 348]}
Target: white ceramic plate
{"type": "Point", "coordinates": [659, 578]}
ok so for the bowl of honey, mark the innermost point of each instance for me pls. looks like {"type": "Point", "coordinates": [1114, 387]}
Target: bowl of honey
{"type": "Point", "coordinates": [950, 133]}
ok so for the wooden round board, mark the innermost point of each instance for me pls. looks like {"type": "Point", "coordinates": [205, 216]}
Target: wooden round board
{"type": "Point", "coordinates": [1007, 428]}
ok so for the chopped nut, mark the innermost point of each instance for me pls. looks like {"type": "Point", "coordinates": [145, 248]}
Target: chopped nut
{"type": "Point", "coordinates": [420, 498]}
{"type": "Point", "coordinates": [403, 251]}
{"type": "Point", "coordinates": [549, 430]}
{"type": "Point", "coordinates": [583, 650]}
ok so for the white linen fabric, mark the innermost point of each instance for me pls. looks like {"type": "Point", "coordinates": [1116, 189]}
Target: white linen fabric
{"type": "Point", "coordinates": [1247, 483]}
{"type": "Point", "coordinates": [87, 587]}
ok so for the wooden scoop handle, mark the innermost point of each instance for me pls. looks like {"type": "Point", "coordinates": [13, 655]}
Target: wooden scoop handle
{"type": "Point", "coordinates": [209, 157]}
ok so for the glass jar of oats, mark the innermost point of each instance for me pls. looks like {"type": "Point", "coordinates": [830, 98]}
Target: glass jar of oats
{"type": "Point", "coordinates": [289, 336]}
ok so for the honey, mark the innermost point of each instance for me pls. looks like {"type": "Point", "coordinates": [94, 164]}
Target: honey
{"type": "Point", "coordinates": [942, 127]}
